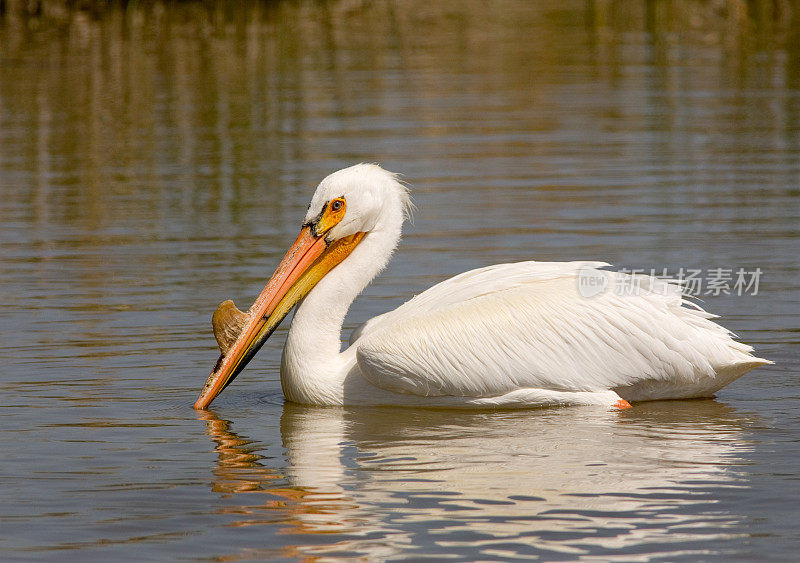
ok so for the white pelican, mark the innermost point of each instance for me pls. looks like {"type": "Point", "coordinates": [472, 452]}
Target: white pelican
{"type": "Point", "coordinates": [510, 335]}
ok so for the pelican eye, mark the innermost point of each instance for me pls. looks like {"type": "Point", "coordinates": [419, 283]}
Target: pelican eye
{"type": "Point", "coordinates": [336, 204]}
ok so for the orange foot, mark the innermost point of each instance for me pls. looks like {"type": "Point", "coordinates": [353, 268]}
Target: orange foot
{"type": "Point", "coordinates": [622, 404]}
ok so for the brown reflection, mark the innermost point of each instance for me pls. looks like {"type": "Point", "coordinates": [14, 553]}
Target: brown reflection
{"type": "Point", "coordinates": [238, 468]}
{"type": "Point", "coordinates": [319, 508]}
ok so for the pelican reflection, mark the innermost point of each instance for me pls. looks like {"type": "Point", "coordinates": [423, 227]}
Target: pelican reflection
{"type": "Point", "coordinates": [559, 479]}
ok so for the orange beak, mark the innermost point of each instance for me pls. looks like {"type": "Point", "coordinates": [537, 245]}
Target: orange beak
{"type": "Point", "coordinates": [306, 262]}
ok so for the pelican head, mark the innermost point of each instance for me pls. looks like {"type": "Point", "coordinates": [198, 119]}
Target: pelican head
{"type": "Point", "coordinates": [367, 191]}
{"type": "Point", "coordinates": [346, 207]}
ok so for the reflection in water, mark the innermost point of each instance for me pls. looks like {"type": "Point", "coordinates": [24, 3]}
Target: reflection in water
{"type": "Point", "coordinates": [524, 483]}
{"type": "Point", "coordinates": [239, 470]}
{"type": "Point", "coordinates": [319, 508]}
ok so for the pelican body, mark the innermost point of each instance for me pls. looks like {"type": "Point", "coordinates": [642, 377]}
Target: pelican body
{"type": "Point", "coordinates": [511, 335]}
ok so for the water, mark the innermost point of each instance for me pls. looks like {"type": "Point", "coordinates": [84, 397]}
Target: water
{"type": "Point", "coordinates": [156, 159]}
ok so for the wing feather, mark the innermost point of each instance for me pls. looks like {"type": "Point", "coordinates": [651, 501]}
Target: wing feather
{"type": "Point", "coordinates": [470, 285]}
{"type": "Point", "coordinates": [492, 331]}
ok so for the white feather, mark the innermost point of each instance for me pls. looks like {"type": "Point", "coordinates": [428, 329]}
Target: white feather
{"type": "Point", "coordinates": [526, 326]}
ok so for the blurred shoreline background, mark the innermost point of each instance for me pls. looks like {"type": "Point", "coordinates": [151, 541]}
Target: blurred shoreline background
{"type": "Point", "coordinates": [279, 76]}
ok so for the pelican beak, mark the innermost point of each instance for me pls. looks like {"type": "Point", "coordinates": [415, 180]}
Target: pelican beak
{"type": "Point", "coordinates": [240, 335]}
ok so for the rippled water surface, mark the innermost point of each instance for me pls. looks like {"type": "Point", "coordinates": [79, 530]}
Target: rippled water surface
{"type": "Point", "coordinates": [157, 158]}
